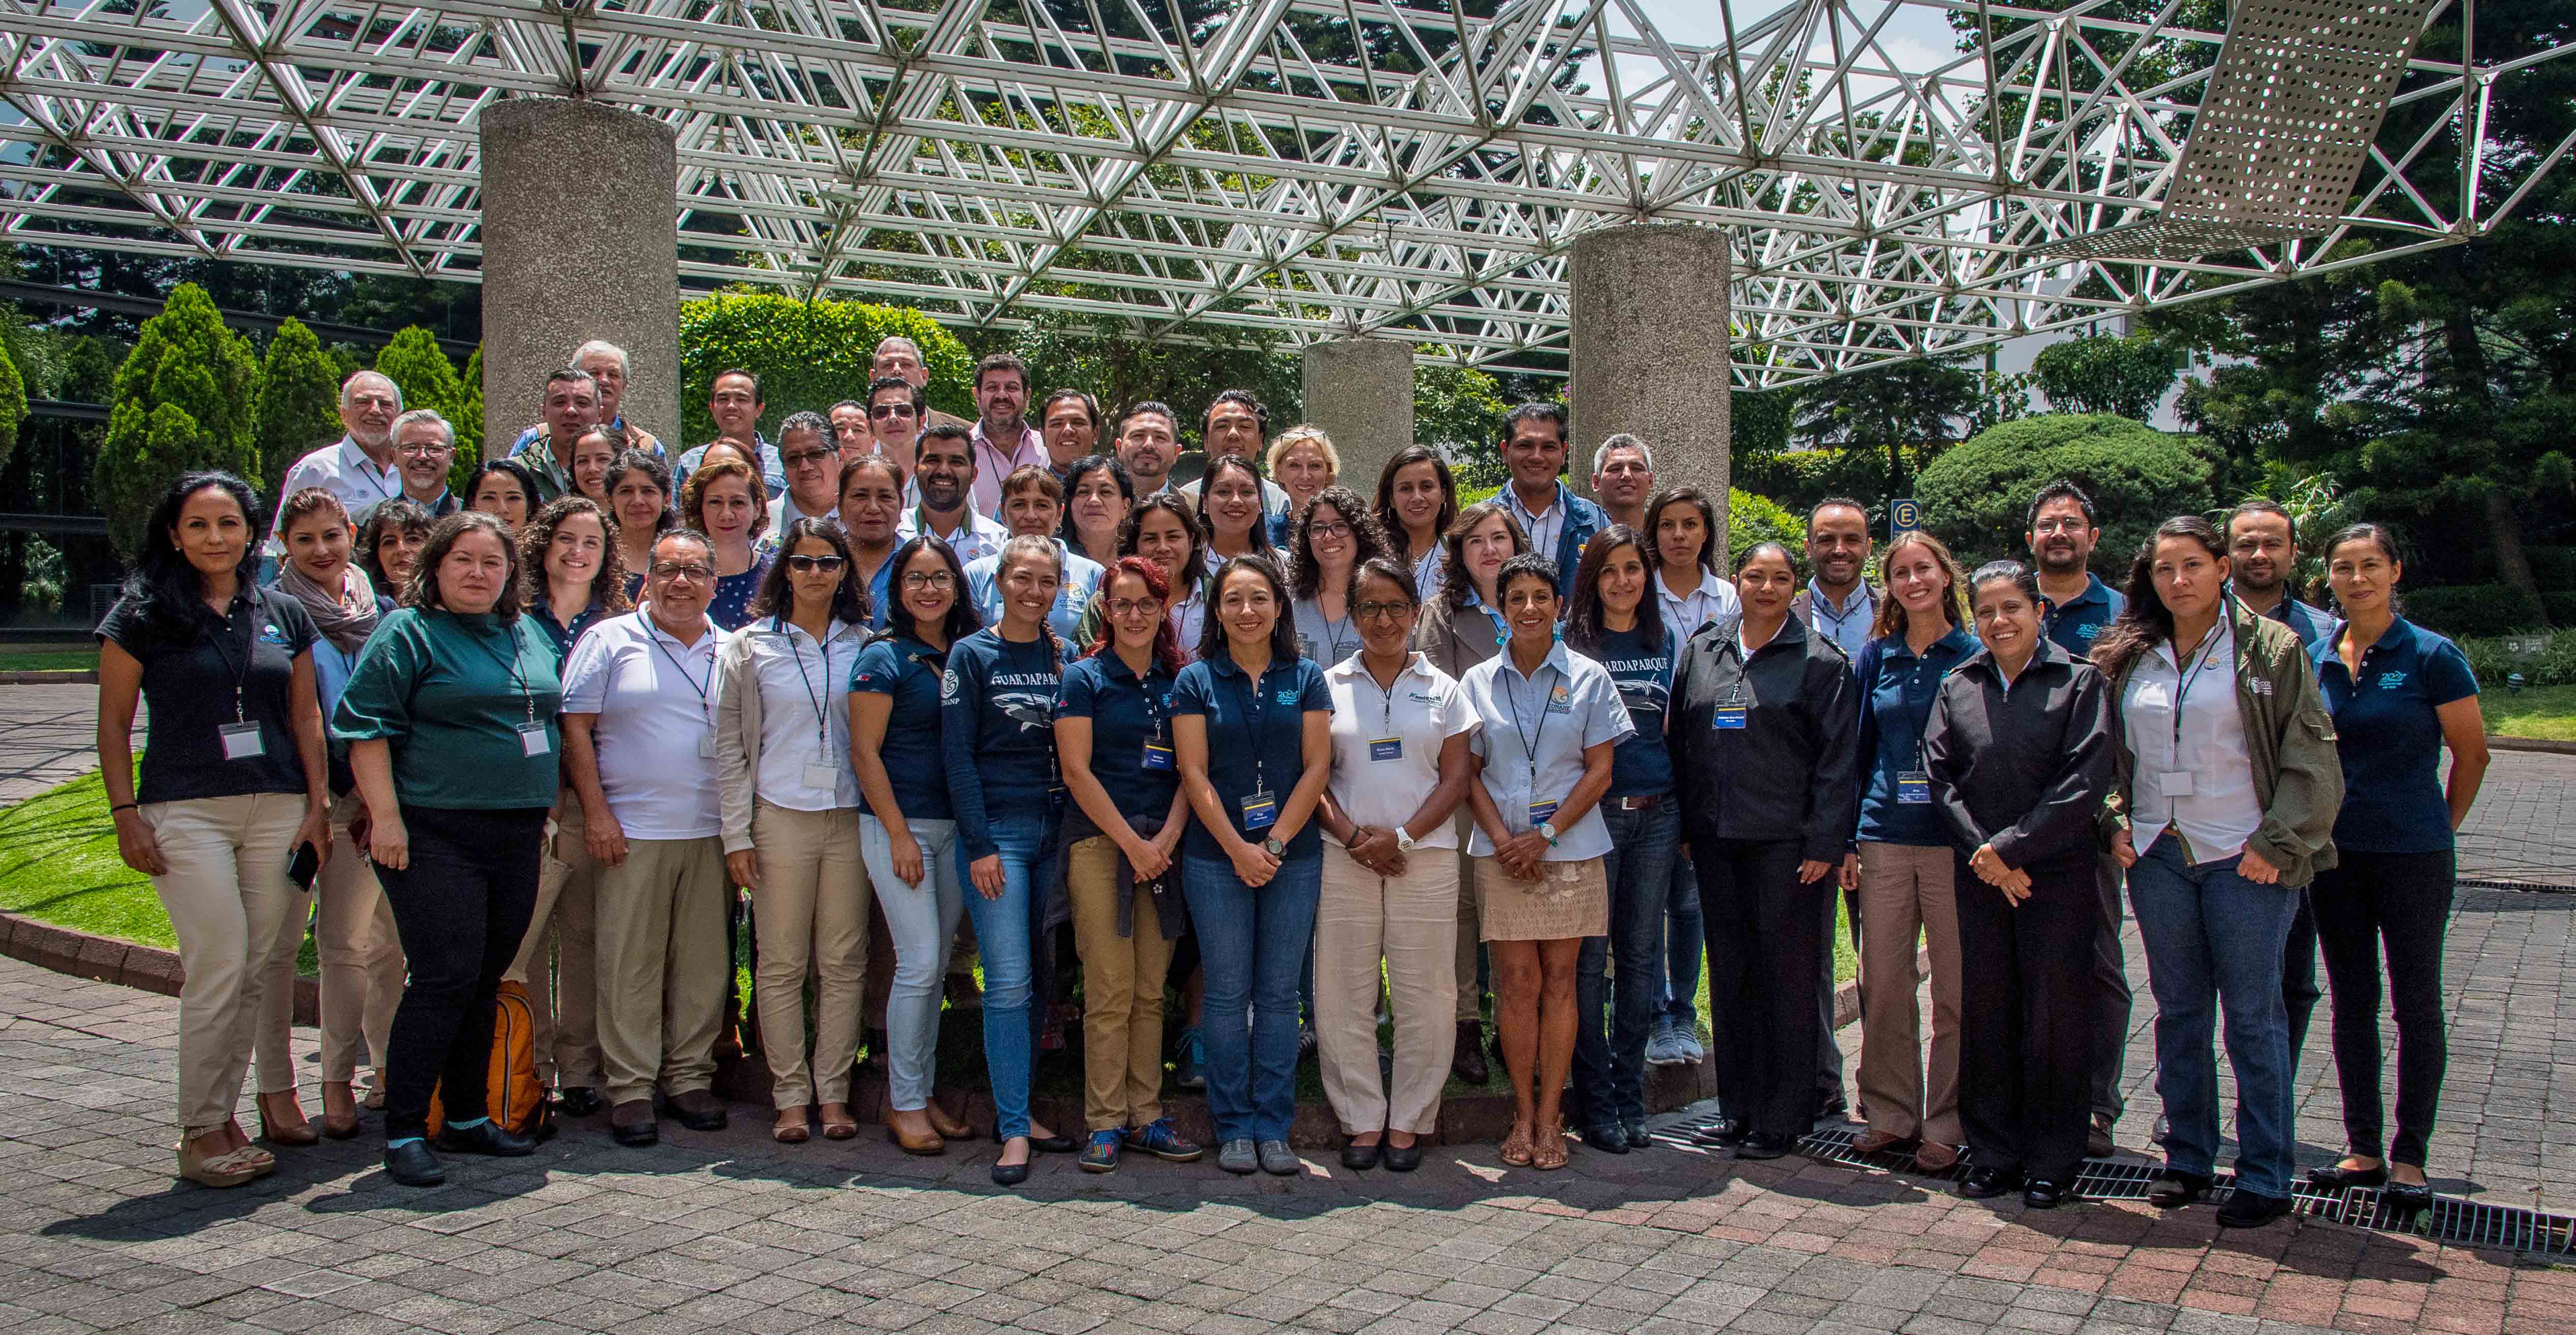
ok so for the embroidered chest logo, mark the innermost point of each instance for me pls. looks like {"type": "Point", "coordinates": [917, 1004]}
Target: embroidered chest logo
{"type": "Point", "coordinates": [2088, 632]}
{"type": "Point", "coordinates": [1560, 699]}
{"type": "Point", "coordinates": [1287, 696]}
{"type": "Point", "coordinates": [2389, 681]}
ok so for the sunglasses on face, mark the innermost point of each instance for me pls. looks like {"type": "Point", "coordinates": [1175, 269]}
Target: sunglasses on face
{"type": "Point", "coordinates": [806, 565]}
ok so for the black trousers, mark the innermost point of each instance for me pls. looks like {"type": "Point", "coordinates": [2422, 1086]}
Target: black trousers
{"type": "Point", "coordinates": [1764, 930]}
{"type": "Point", "coordinates": [2404, 901]}
{"type": "Point", "coordinates": [2299, 991]}
{"type": "Point", "coordinates": [2111, 1008]}
{"type": "Point", "coordinates": [2029, 1001]}
{"type": "Point", "coordinates": [461, 908]}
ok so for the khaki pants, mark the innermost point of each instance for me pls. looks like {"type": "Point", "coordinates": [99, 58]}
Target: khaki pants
{"type": "Point", "coordinates": [273, 1029]}
{"type": "Point", "coordinates": [565, 929]}
{"type": "Point", "coordinates": [1906, 891]}
{"type": "Point", "coordinates": [360, 954]}
{"type": "Point", "coordinates": [228, 900]}
{"type": "Point", "coordinates": [1410, 921]}
{"type": "Point", "coordinates": [1122, 991]}
{"type": "Point", "coordinates": [662, 967]}
{"type": "Point", "coordinates": [1471, 995]}
{"type": "Point", "coordinates": [811, 909]}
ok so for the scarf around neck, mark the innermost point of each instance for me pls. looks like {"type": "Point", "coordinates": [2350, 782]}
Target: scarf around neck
{"type": "Point", "coordinates": [346, 616]}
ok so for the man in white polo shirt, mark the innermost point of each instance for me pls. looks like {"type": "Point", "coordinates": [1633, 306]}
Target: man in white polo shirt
{"type": "Point", "coordinates": [359, 468]}
{"type": "Point", "coordinates": [639, 741]}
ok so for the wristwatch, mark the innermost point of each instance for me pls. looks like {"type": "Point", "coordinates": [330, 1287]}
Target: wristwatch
{"type": "Point", "coordinates": [1403, 840]}
{"type": "Point", "coordinates": [1548, 829]}
{"type": "Point", "coordinates": [1274, 848]}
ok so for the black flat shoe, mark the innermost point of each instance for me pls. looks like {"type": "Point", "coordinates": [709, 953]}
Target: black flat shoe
{"type": "Point", "coordinates": [2249, 1209]}
{"type": "Point", "coordinates": [485, 1137]}
{"type": "Point", "coordinates": [1727, 1133]}
{"type": "Point", "coordinates": [412, 1165]}
{"type": "Point", "coordinates": [1357, 1157]}
{"type": "Point", "coordinates": [2341, 1179]}
{"type": "Point", "coordinates": [1984, 1184]}
{"type": "Point", "coordinates": [1764, 1145]}
{"type": "Point", "coordinates": [1056, 1144]}
{"type": "Point", "coordinates": [1611, 1139]}
{"type": "Point", "coordinates": [578, 1101]}
{"type": "Point", "coordinates": [1010, 1174]}
{"type": "Point", "coordinates": [1638, 1138]}
{"type": "Point", "coordinates": [2042, 1194]}
{"type": "Point", "coordinates": [2174, 1189]}
{"type": "Point", "coordinates": [1402, 1158]}
{"type": "Point", "coordinates": [2407, 1196]}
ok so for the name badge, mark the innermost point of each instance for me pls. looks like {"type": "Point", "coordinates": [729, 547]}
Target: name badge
{"type": "Point", "coordinates": [1913, 789]}
{"type": "Point", "coordinates": [1727, 718]}
{"type": "Point", "coordinates": [1386, 748]}
{"type": "Point", "coordinates": [822, 778]}
{"type": "Point", "coordinates": [532, 740]}
{"type": "Point", "coordinates": [1539, 812]}
{"type": "Point", "coordinates": [707, 747]}
{"type": "Point", "coordinates": [2174, 783]}
{"type": "Point", "coordinates": [1260, 810]}
{"type": "Point", "coordinates": [241, 741]}
{"type": "Point", "coordinates": [1158, 755]}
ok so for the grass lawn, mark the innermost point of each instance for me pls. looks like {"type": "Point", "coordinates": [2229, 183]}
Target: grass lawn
{"type": "Point", "coordinates": [2547, 712]}
{"type": "Point", "coordinates": [58, 862]}
{"type": "Point", "coordinates": [48, 660]}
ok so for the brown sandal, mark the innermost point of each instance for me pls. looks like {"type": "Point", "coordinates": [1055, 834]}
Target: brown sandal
{"type": "Point", "coordinates": [1515, 1148]}
{"type": "Point", "coordinates": [1547, 1150]}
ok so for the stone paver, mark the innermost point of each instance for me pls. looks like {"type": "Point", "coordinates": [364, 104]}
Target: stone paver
{"type": "Point", "coordinates": [729, 1232]}
{"type": "Point", "coordinates": [48, 736]}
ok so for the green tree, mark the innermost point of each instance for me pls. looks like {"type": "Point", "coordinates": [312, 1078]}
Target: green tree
{"type": "Point", "coordinates": [416, 364]}
{"type": "Point", "coordinates": [808, 355]}
{"type": "Point", "coordinates": [1909, 412]}
{"type": "Point", "coordinates": [1977, 496]}
{"type": "Point", "coordinates": [469, 422]}
{"type": "Point", "coordinates": [13, 405]}
{"type": "Point", "coordinates": [1458, 410]}
{"type": "Point", "coordinates": [1751, 519]}
{"type": "Point", "coordinates": [2107, 374]}
{"type": "Point", "coordinates": [1102, 355]}
{"type": "Point", "coordinates": [299, 400]}
{"type": "Point", "coordinates": [183, 400]}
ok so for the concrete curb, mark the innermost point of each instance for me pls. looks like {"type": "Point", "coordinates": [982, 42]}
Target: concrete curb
{"type": "Point", "coordinates": [108, 960]}
{"type": "Point", "coordinates": [2541, 744]}
{"type": "Point", "coordinates": [50, 677]}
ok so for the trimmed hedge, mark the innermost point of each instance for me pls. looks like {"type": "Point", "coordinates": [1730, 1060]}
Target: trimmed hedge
{"type": "Point", "coordinates": [2465, 610]}
{"type": "Point", "coordinates": [2488, 658]}
{"type": "Point", "coordinates": [807, 355]}
{"type": "Point", "coordinates": [1976, 496]}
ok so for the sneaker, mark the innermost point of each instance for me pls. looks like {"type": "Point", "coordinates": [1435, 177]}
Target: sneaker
{"type": "Point", "coordinates": [1693, 1050]}
{"type": "Point", "coordinates": [1305, 1039]}
{"type": "Point", "coordinates": [1101, 1154]}
{"type": "Point", "coordinates": [1239, 1158]}
{"type": "Point", "coordinates": [1158, 1138]}
{"type": "Point", "coordinates": [1664, 1048]}
{"type": "Point", "coordinates": [1278, 1160]}
{"type": "Point", "coordinates": [1189, 1070]}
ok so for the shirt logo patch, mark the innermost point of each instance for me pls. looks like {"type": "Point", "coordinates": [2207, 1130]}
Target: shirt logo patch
{"type": "Point", "coordinates": [949, 686]}
{"type": "Point", "coordinates": [1287, 696]}
{"type": "Point", "coordinates": [2389, 681]}
{"type": "Point", "coordinates": [2088, 632]}
{"type": "Point", "coordinates": [271, 635]}
{"type": "Point", "coordinates": [1030, 710]}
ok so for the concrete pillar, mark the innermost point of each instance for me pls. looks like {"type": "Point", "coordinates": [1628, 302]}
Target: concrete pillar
{"type": "Point", "coordinates": [1360, 391]}
{"type": "Point", "coordinates": [1650, 351]}
{"type": "Point", "coordinates": [581, 240]}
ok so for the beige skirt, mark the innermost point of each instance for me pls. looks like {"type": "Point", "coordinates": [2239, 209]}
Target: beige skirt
{"type": "Point", "coordinates": [1569, 900]}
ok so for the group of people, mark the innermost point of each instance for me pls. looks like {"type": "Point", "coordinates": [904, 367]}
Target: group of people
{"type": "Point", "coordinates": [1313, 760]}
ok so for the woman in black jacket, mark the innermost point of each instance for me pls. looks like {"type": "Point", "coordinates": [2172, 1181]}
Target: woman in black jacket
{"type": "Point", "coordinates": [2018, 755]}
{"type": "Point", "coordinates": [1765, 734]}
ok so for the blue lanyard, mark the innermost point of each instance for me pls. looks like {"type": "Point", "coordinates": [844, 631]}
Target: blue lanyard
{"type": "Point", "coordinates": [822, 721]}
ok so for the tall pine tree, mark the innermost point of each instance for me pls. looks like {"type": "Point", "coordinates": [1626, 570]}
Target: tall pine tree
{"type": "Point", "coordinates": [183, 401]}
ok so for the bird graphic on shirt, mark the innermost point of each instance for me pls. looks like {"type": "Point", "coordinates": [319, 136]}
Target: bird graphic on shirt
{"type": "Point", "coordinates": [1032, 711]}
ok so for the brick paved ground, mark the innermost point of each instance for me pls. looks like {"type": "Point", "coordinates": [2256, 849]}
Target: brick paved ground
{"type": "Point", "coordinates": [48, 736]}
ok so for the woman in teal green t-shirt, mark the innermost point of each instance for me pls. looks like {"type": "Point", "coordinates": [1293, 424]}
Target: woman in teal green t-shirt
{"type": "Point", "coordinates": [450, 720]}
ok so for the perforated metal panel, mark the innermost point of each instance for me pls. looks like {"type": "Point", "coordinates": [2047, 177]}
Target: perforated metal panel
{"type": "Point", "coordinates": [2278, 144]}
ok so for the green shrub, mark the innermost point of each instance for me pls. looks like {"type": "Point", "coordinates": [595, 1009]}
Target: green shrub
{"type": "Point", "coordinates": [2463, 610]}
{"type": "Point", "coordinates": [2551, 566]}
{"type": "Point", "coordinates": [1977, 496]}
{"type": "Point", "coordinates": [808, 356]}
{"type": "Point", "coordinates": [2489, 658]}
{"type": "Point", "coordinates": [415, 361]}
{"type": "Point", "coordinates": [299, 402]}
{"type": "Point", "coordinates": [182, 401]}
{"type": "Point", "coordinates": [2560, 604]}
{"type": "Point", "coordinates": [1799, 479]}
{"type": "Point", "coordinates": [1751, 519]}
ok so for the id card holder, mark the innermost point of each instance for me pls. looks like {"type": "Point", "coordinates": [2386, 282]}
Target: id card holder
{"type": "Point", "coordinates": [1158, 756]}
{"type": "Point", "coordinates": [1386, 748]}
{"type": "Point", "coordinates": [241, 741]}
{"type": "Point", "coordinates": [1913, 789]}
{"type": "Point", "coordinates": [822, 778]}
{"type": "Point", "coordinates": [1727, 718]}
{"type": "Point", "coordinates": [2174, 783]}
{"type": "Point", "coordinates": [1540, 812]}
{"type": "Point", "coordinates": [533, 741]}
{"type": "Point", "coordinates": [1260, 810]}
{"type": "Point", "coordinates": [707, 747]}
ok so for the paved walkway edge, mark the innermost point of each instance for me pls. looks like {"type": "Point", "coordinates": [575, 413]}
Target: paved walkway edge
{"type": "Point", "coordinates": [106, 959]}
{"type": "Point", "coordinates": [2503, 743]}
{"type": "Point", "coordinates": [51, 677]}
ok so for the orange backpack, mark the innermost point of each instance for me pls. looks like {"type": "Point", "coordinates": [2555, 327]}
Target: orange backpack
{"type": "Point", "coordinates": [512, 1094]}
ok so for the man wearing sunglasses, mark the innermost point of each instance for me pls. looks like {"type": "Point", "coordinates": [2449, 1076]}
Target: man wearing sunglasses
{"type": "Point", "coordinates": [901, 357]}
{"type": "Point", "coordinates": [813, 464]}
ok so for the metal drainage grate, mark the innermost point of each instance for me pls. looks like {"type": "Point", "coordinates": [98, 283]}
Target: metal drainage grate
{"type": "Point", "coordinates": [2520, 887]}
{"type": "Point", "coordinates": [2449, 1220]}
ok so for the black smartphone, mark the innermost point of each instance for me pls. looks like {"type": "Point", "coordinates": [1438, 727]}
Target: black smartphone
{"type": "Point", "coordinates": [301, 868]}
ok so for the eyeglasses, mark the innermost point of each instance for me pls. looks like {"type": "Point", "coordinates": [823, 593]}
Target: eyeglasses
{"type": "Point", "coordinates": [1128, 607]}
{"type": "Point", "coordinates": [424, 451]}
{"type": "Point", "coordinates": [373, 401]}
{"type": "Point", "coordinates": [1330, 529]}
{"type": "Point", "coordinates": [891, 410]}
{"type": "Point", "coordinates": [2048, 526]}
{"type": "Point", "coordinates": [676, 570]}
{"type": "Point", "coordinates": [935, 579]}
{"type": "Point", "coordinates": [803, 457]}
{"type": "Point", "coordinates": [1381, 611]}
{"type": "Point", "coordinates": [806, 565]}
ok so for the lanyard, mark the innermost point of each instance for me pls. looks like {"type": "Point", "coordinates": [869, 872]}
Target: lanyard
{"type": "Point", "coordinates": [250, 650]}
{"type": "Point", "coordinates": [2208, 650]}
{"type": "Point", "coordinates": [1529, 739]}
{"type": "Point", "coordinates": [822, 721]}
{"type": "Point", "coordinates": [518, 677]}
{"type": "Point", "coordinates": [366, 471]}
{"type": "Point", "coordinates": [1252, 711]}
{"type": "Point", "coordinates": [1502, 629]}
{"type": "Point", "coordinates": [700, 687]}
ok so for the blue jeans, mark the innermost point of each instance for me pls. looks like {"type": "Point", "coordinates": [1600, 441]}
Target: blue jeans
{"type": "Point", "coordinates": [1254, 945]}
{"type": "Point", "coordinates": [1685, 947]}
{"type": "Point", "coordinates": [1003, 943]}
{"type": "Point", "coordinates": [1610, 1067]}
{"type": "Point", "coordinates": [2214, 942]}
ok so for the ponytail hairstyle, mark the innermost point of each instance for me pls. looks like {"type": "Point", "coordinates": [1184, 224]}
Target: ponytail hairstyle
{"type": "Point", "coordinates": [1167, 641]}
{"type": "Point", "coordinates": [2146, 621]}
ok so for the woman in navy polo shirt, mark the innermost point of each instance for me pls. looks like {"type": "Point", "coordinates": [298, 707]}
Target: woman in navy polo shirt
{"type": "Point", "coordinates": [233, 782]}
{"type": "Point", "coordinates": [1113, 735]}
{"type": "Point", "coordinates": [907, 832]}
{"type": "Point", "coordinates": [997, 737]}
{"type": "Point", "coordinates": [1253, 724]}
{"type": "Point", "coordinates": [2399, 694]}
{"type": "Point", "coordinates": [1902, 865]}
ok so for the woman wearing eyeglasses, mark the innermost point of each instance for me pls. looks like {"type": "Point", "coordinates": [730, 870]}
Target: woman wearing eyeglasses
{"type": "Point", "coordinates": [907, 829]}
{"type": "Point", "coordinates": [1331, 535]}
{"type": "Point", "coordinates": [790, 803]}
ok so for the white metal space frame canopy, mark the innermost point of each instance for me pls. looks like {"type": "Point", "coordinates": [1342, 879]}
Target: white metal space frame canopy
{"type": "Point", "coordinates": [1317, 168]}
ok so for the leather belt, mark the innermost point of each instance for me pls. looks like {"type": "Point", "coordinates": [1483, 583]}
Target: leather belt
{"type": "Point", "coordinates": [1646, 803]}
